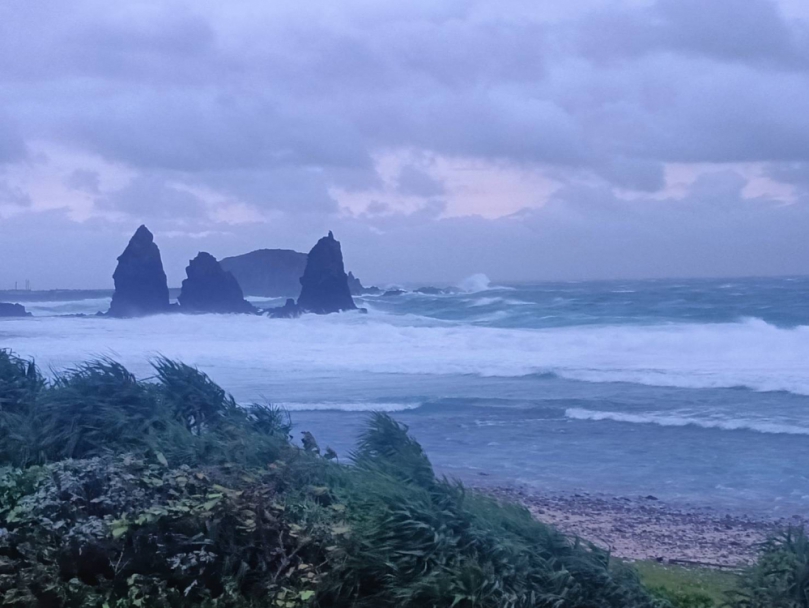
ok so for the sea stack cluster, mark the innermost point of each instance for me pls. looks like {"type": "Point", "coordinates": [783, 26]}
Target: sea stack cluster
{"type": "Point", "coordinates": [141, 287]}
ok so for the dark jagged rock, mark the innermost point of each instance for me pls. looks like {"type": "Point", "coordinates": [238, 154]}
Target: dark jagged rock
{"type": "Point", "coordinates": [324, 284]}
{"type": "Point", "coordinates": [355, 285]}
{"type": "Point", "coordinates": [209, 288]}
{"type": "Point", "coordinates": [13, 310]}
{"type": "Point", "coordinates": [289, 310]}
{"type": "Point", "coordinates": [140, 282]}
{"type": "Point", "coordinates": [393, 292]}
{"type": "Point", "coordinates": [269, 273]}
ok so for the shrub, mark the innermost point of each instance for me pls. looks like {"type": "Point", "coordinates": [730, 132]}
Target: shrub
{"type": "Point", "coordinates": [20, 386]}
{"type": "Point", "coordinates": [95, 408]}
{"type": "Point", "coordinates": [125, 532]}
{"type": "Point", "coordinates": [100, 408]}
{"type": "Point", "coordinates": [780, 578]}
{"type": "Point", "coordinates": [417, 540]}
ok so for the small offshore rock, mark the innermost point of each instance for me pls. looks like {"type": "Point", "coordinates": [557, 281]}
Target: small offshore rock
{"type": "Point", "coordinates": [13, 310]}
{"type": "Point", "coordinates": [289, 310]}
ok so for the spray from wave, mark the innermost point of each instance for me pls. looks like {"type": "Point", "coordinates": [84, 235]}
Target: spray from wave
{"type": "Point", "coordinates": [475, 283]}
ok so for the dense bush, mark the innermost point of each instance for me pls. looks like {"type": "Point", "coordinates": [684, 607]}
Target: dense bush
{"type": "Point", "coordinates": [166, 493]}
{"type": "Point", "coordinates": [780, 578]}
{"type": "Point", "coordinates": [100, 408]}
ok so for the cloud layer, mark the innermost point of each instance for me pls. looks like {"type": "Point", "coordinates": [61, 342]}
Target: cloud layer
{"type": "Point", "coordinates": [593, 139]}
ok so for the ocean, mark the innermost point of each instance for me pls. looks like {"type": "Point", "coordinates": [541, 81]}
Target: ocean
{"type": "Point", "coordinates": [692, 391]}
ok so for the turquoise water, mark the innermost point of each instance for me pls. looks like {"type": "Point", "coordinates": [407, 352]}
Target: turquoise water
{"type": "Point", "coordinates": [690, 390]}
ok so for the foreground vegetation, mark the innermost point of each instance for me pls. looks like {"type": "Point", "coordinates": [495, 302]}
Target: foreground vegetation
{"type": "Point", "coordinates": [117, 492]}
{"type": "Point", "coordinates": [688, 586]}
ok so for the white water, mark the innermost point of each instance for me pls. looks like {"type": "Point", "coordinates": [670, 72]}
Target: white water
{"type": "Point", "coordinates": [675, 420]}
{"type": "Point", "coordinates": [750, 353]}
{"type": "Point", "coordinates": [477, 282]}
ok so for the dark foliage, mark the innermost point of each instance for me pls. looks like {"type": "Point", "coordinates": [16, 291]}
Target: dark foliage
{"type": "Point", "coordinates": [780, 578]}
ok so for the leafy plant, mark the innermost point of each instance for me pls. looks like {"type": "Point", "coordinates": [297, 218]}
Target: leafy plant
{"type": "Point", "coordinates": [780, 578]}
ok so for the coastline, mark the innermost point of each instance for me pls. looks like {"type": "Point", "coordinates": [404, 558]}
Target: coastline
{"type": "Point", "coordinates": [648, 529]}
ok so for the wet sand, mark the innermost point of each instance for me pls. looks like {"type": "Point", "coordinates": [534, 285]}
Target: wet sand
{"type": "Point", "coordinates": [644, 528]}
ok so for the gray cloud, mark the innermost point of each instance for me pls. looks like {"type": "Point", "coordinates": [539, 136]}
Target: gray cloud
{"type": "Point", "coordinates": [152, 196]}
{"type": "Point", "coordinates": [83, 180]}
{"type": "Point", "coordinates": [282, 107]}
{"type": "Point", "coordinates": [13, 196]}
{"type": "Point", "coordinates": [12, 145]}
{"type": "Point", "coordinates": [744, 31]}
{"type": "Point", "coordinates": [796, 173]}
{"type": "Point", "coordinates": [417, 182]}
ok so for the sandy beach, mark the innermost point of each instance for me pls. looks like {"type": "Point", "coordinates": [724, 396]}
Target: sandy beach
{"type": "Point", "coordinates": [644, 528]}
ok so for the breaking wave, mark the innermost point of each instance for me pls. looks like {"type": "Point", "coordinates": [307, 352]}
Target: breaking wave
{"type": "Point", "coordinates": [475, 283]}
{"type": "Point", "coordinates": [674, 420]}
{"type": "Point", "coordinates": [750, 353]}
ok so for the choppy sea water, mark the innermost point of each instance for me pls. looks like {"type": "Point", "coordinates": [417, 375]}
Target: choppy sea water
{"type": "Point", "coordinates": [690, 390]}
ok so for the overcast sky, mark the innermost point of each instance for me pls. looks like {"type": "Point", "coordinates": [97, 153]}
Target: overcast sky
{"type": "Point", "coordinates": [565, 139]}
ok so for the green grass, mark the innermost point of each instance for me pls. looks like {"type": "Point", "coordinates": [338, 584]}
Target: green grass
{"type": "Point", "coordinates": [687, 587]}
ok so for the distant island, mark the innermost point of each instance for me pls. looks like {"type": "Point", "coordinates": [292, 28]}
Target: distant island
{"type": "Point", "coordinates": [269, 273]}
{"type": "Point", "coordinates": [276, 273]}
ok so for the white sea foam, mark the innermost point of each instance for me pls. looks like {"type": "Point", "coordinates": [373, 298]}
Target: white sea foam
{"type": "Point", "coordinates": [489, 300]}
{"type": "Point", "coordinates": [60, 307]}
{"type": "Point", "coordinates": [248, 349]}
{"type": "Point", "coordinates": [760, 426]}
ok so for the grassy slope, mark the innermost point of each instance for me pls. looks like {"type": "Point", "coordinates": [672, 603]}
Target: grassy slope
{"type": "Point", "coordinates": [688, 587]}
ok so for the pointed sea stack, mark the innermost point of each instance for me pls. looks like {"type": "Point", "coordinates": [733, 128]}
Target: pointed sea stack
{"type": "Point", "coordinates": [140, 282]}
{"type": "Point", "coordinates": [324, 284]}
{"type": "Point", "coordinates": [209, 288]}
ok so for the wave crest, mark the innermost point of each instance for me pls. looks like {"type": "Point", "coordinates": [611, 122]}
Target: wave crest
{"type": "Point", "coordinates": [674, 420]}
{"type": "Point", "coordinates": [475, 283]}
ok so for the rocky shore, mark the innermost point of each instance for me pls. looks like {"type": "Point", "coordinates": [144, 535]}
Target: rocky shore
{"type": "Point", "coordinates": [645, 528]}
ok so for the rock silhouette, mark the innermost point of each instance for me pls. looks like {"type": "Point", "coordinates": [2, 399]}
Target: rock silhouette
{"type": "Point", "coordinates": [13, 310]}
{"type": "Point", "coordinates": [355, 285]}
{"type": "Point", "coordinates": [289, 310]}
{"type": "Point", "coordinates": [209, 288]}
{"type": "Point", "coordinates": [324, 284]}
{"type": "Point", "coordinates": [140, 282]}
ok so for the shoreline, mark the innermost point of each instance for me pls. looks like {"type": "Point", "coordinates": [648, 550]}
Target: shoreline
{"type": "Point", "coordinates": [648, 529]}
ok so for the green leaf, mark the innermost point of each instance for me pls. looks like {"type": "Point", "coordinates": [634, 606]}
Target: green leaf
{"type": "Point", "coordinates": [306, 595]}
{"type": "Point", "coordinates": [162, 459]}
